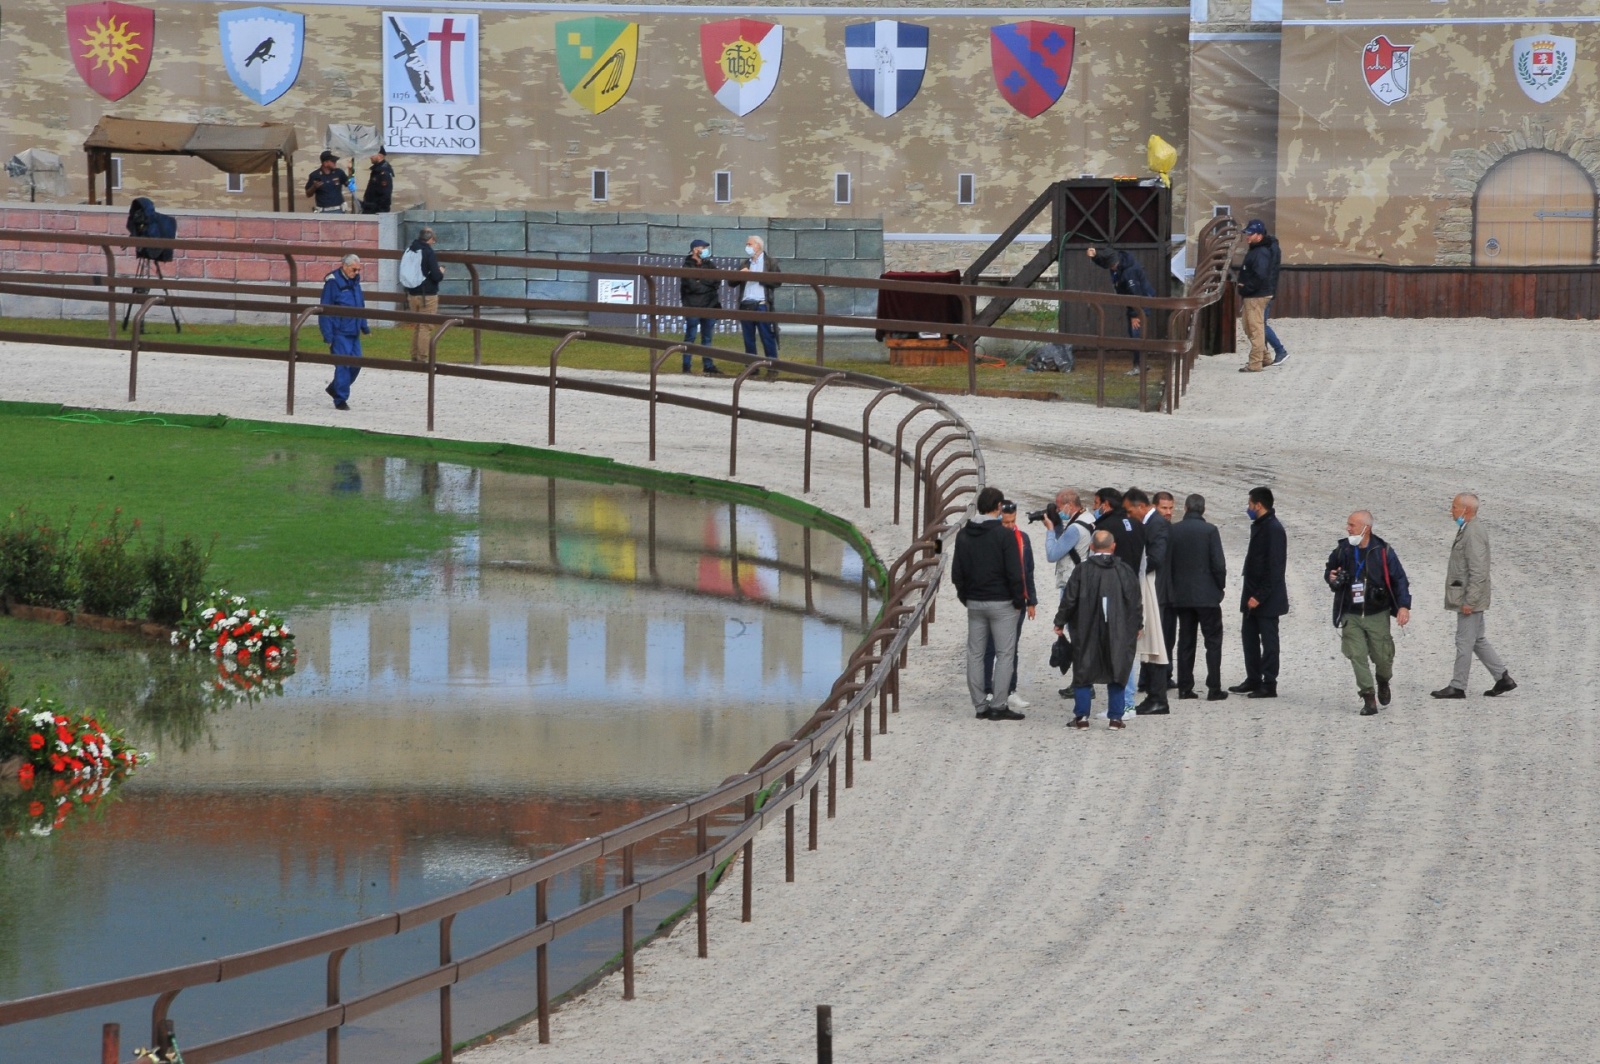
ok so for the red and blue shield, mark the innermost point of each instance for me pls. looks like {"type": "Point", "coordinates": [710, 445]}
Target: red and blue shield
{"type": "Point", "coordinates": [1032, 61]}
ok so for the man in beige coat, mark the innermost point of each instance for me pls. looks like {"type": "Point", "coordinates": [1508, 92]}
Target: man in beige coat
{"type": "Point", "coordinates": [1466, 591]}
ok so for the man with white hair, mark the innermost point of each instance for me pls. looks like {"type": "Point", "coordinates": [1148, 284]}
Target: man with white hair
{"type": "Point", "coordinates": [755, 293]}
{"type": "Point", "coordinates": [1369, 586]}
{"type": "Point", "coordinates": [1466, 591]}
{"type": "Point", "coordinates": [342, 288]}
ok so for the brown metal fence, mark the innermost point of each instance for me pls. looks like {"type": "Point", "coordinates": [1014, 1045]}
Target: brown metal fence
{"type": "Point", "coordinates": [929, 439]}
{"type": "Point", "coordinates": [1182, 330]}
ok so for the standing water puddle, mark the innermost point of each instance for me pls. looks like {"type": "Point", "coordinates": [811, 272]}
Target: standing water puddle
{"type": "Point", "coordinates": [584, 654]}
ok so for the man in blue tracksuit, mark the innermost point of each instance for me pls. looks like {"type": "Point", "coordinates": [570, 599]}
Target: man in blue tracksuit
{"type": "Point", "coordinates": [342, 288]}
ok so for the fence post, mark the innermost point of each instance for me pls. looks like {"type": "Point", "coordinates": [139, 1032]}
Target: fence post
{"type": "Point", "coordinates": [627, 922]}
{"type": "Point", "coordinates": [788, 832]}
{"type": "Point", "coordinates": [111, 1044]}
{"type": "Point", "coordinates": [749, 871]}
{"type": "Point", "coordinates": [446, 1018]}
{"type": "Point", "coordinates": [335, 959]}
{"type": "Point", "coordinates": [700, 886]}
{"type": "Point", "coordinates": [541, 916]}
{"type": "Point", "coordinates": [824, 1034]}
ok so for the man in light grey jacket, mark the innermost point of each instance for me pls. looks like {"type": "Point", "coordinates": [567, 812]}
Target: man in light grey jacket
{"type": "Point", "coordinates": [1466, 591]}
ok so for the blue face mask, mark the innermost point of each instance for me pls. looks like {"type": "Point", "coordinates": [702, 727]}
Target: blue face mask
{"type": "Point", "coordinates": [1460, 521]}
{"type": "Point", "coordinates": [1249, 514]}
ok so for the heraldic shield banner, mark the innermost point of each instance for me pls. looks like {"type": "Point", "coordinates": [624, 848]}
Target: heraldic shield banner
{"type": "Point", "coordinates": [886, 60]}
{"type": "Point", "coordinates": [111, 45]}
{"type": "Point", "coordinates": [1032, 61]}
{"type": "Point", "coordinates": [430, 83]}
{"type": "Point", "coordinates": [596, 57]}
{"type": "Point", "coordinates": [1387, 68]}
{"type": "Point", "coordinates": [262, 48]}
{"type": "Point", "coordinates": [741, 58]}
{"type": "Point", "coordinates": [1543, 65]}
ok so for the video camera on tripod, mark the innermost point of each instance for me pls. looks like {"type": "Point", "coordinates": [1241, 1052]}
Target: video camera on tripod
{"type": "Point", "coordinates": [145, 221]}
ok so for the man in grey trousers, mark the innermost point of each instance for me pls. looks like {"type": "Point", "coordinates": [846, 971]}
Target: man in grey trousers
{"type": "Point", "coordinates": [1466, 591]}
{"type": "Point", "coordinates": [987, 574]}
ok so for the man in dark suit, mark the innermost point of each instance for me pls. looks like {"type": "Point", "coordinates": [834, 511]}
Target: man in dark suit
{"type": "Point", "coordinates": [1197, 573]}
{"type": "Point", "coordinates": [1111, 517]}
{"type": "Point", "coordinates": [1264, 597]}
{"type": "Point", "coordinates": [1152, 679]}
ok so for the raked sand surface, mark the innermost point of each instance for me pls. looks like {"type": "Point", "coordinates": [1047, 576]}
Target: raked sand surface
{"type": "Point", "coordinates": [1248, 880]}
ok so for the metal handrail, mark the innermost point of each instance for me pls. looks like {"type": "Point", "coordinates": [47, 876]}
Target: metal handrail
{"type": "Point", "coordinates": [795, 771]}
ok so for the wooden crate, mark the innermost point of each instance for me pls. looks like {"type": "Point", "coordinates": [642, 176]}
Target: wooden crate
{"type": "Point", "coordinates": [920, 352]}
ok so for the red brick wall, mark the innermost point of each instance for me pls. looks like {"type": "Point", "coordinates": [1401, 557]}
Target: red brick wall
{"type": "Point", "coordinates": [339, 233]}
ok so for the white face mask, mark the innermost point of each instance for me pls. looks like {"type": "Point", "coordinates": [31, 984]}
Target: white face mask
{"type": "Point", "coordinates": [1355, 540]}
{"type": "Point", "coordinates": [750, 250]}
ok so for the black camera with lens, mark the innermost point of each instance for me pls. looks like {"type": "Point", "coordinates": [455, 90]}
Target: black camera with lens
{"type": "Point", "coordinates": [145, 221]}
{"type": "Point", "coordinates": [1050, 512]}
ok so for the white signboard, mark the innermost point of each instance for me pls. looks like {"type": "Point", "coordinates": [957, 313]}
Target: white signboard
{"type": "Point", "coordinates": [430, 83]}
{"type": "Point", "coordinates": [608, 290]}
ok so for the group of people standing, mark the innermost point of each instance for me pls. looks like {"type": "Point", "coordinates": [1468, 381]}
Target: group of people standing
{"type": "Point", "coordinates": [1135, 584]}
{"type": "Point", "coordinates": [753, 292]}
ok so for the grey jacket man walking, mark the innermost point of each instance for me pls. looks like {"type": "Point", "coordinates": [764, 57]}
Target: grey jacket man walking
{"type": "Point", "coordinates": [1466, 592]}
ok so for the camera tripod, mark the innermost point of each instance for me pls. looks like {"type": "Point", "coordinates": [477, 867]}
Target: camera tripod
{"type": "Point", "coordinates": [143, 272]}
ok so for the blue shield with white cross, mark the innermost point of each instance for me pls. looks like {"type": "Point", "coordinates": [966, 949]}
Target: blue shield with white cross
{"type": "Point", "coordinates": [886, 60]}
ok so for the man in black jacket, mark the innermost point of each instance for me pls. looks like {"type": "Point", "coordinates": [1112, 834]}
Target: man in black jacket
{"type": "Point", "coordinates": [1369, 586]}
{"type": "Point", "coordinates": [1258, 283]}
{"type": "Point", "coordinates": [424, 298]}
{"type": "Point", "coordinates": [1152, 672]}
{"type": "Point", "coordinates": [1110, 516]}
{"type": "Point", "coordinates": [1127, 279]}
{"type": "Point", "coordinates": [987, 574]}
{"type": "Point", "coordinates": [1264, 596]}
{"type": "Point", "coordinates": [1104, 610]}
{"type": "Point", "coordinates": [1008, 517]}
{"type": "Point", "coordinates": [699, 292]}
{"type": "Point", "coordinates": [380, 185]}
{"type": "Point", "coordinates": [1198, 572]}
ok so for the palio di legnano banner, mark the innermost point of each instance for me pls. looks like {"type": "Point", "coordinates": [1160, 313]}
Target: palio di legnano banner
{"type": "Point", "coordinates": [430, 83]}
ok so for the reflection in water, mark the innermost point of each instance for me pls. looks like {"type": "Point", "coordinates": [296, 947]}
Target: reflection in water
{"type": "Point", "coordinates": [585, 653]}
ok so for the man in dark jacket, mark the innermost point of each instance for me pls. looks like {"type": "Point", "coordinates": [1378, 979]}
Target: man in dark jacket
{"type": "Point", "coordinates": [1127, 279]}
{"type": "Point", "coordinates": [424, 298]}
{"type": "Point", "coordinates": [699, 292]}
{"type": "Point", "coordinates": [1104, 610]}
{"type": "Point", "coordinates": [1198, 573]}
{"type": "Point", "coordinates": [1369, 586]}
{"type": "Point", "coordinates": [1152, 677]}
{"type": "Point", "coordinates": [1264, 596]}
{"type": "Point", "coordinates": [1008, 517]}
{"type": "Point", "coordinates": [325, 185]}
{"type": "Point", "coordinates": [1110, 516]}
{"type": "Point", "coordinates": [380, 185]}
{"type": "Point", "coordinates": [1258, 283]}
{"type": "Point", "coordinates": [342, 288]}
{"type": "Point", "coordinates": [988, 578]}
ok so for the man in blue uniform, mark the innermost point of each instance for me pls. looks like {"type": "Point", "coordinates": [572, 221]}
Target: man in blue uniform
{"type": "Point", "coordinates": [326, 185]}
{"type": "Point", "coordinates": [342, 288]}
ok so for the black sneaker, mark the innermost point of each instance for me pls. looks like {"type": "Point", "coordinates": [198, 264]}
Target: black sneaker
{"type": "Point", "coordinates": [1449, 692]}
{"type": "Point", "coordinates": [1006, 713]}
{"type": "Point", "coordinates": [1281, 359]}
{"type": "Point", "coordinates": [341, 406]}
{"type": "Point", "coordinates": [1502, 685]}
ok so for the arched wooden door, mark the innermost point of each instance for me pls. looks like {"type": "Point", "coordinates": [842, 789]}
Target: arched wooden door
{"type": "Point", "coordinates": [1534, 208]}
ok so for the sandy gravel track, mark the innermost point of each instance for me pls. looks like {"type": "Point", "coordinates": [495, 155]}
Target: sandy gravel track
{"type": "Point", "coordinates": [1240, 881]}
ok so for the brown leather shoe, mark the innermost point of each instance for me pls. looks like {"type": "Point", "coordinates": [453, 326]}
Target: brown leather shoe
{"type": "Point", "coordinates": [1116, 725]}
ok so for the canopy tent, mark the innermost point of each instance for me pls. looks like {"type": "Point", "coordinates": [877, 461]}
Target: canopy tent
{"type": "Point", "coordinates": [232, 149]}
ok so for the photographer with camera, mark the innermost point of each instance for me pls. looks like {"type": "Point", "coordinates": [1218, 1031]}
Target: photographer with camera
{"type": "Point", "coordinates": [1068, 527]}
{"type": "Point", "coordinates": [1369, 586]}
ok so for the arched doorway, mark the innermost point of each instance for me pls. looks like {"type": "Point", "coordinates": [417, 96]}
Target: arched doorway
{"type": "Point", "coordinates": [1534, 208]}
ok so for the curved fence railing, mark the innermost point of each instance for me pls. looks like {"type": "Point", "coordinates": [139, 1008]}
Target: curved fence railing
{"type": "Point", "coordinates": [945, 463]}
{"type": "Point", "coordinates": [1173, 339]}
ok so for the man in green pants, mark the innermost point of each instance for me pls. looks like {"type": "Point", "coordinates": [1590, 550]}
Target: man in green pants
{"type": "Point", "coordinates": [1369, 586]}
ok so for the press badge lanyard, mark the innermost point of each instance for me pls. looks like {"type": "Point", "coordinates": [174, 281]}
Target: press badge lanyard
{"type": "Point", "coordinates": [1358, 588]}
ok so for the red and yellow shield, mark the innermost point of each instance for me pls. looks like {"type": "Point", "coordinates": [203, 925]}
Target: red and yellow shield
{"type": "Point", "coordinates": [111, 45]}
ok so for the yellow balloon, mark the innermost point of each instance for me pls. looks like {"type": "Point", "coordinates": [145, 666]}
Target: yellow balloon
{"type": "Point", "coordinates": [1162, 158]}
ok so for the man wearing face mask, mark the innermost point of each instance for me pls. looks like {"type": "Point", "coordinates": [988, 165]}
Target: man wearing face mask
{"type": "Point", "coordinates": [1369, 586]}
{"type": "Point", "coordinates": [342, 288]}
{"type": "Point", "coordinates": [1264, 597]}
{"type": "Point", "coordinates": [755, 293]}
{"type": "Point", "coordinates": [1466, 593]}
{"type": "Point", "coordinates": [699, 292]}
